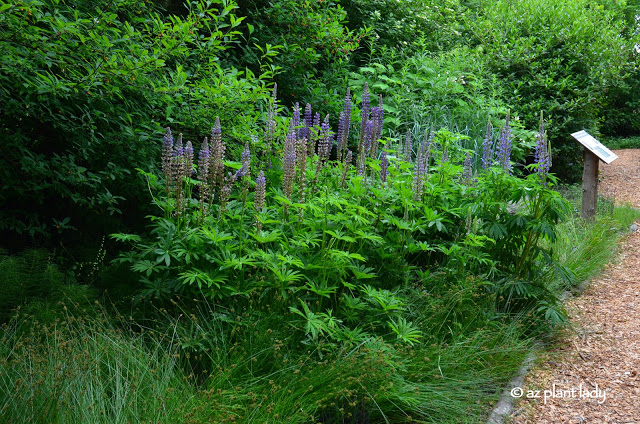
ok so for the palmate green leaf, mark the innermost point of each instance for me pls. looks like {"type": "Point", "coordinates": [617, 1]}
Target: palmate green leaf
{"type": "Point", "coordinates": [497, 231]}
{"type": "Point", "coordinates": [232, 261]}
{"type": "Point", "coordinates": [340, 235]}
{"type": "Point", "coordinates": [216, 237]}
{"type": "Point", "coordinates": [320, 289]}
{"type": "Point", "coordinates": [375, 239]}
{"type": "Point", "coordinates": [267, 236]}
{"type": "Point", "coordinates": [146, 267]}
{"type": "Point", "coordinates": [342, 256]}
{"type": "Point", "coordinates": [201, 278]}
{"type": "Point", "coordinates": [314, 325]}
{"type": "Point", "coordinates": [284, 275]}
{"type": "Point", "coordinates": [290, 260]}
{"type": "Point", "coordinates": [163, 255]}
{"type": "Point", "coordinates": [361, 272]}
{"type": "Point", "coordinates": [307, 239]}
{"type": "Point", "coordinates": [126, 237]}
{"type": "Point", "coordinates": [405, 331]}
{"type": "Point", "coordinates": [386, 300]}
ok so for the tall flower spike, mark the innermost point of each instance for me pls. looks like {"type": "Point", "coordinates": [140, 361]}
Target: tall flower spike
{"type": "Point", "coordinates": [466, 170]}
{"type": "Point", "coordinates": [271, 117]}
{"type": "Point", "coordinates": [345, 166]}
{"type": "Point", "coordinates": [177, 161]}
{"type": "Point", "coordinates": [261, 184]}
{"type": "Point", "coordinates": [178, 172]}
{"type": "Point", "coordinates": [203, 176]}
{"type": "Point", "coordinates": [245, 169]}
{"type": "Point", "coordinates": [289, 162]}
{"type": "Point", "coordinates": [377, 116]}
{"type": "Point", "coordinates": [366, 103]}
{"type": "Point", "coordinates": [542, 152]}
{"type": "Point", "coordinates": [384, 167]}
{"type": "Point", "coordinates": [326, 140]}
{"type": "Point", "coordinates": [419, 172]}
{"type": "Point", "coordinates": [167, 150]}
{"type": "Point", "coordinates": [188, 160]}
{"type": "Point", "coordinates": [343, 140]}
{"type": "Point", "coordinates": [408, 147]}
{"type": "Point", "coordinates": [340, 138]}
{"type": "Point", "coordinates": [487, 144]}
{"type": "Point", "coordinates": [365, 109]}
{"type": "Point", "coordinates": [368, 136]}
{"type": "Point", "coordinates": [308, 122]}
{"type": "Point", "coordinates": [217, 148]}
{"type": "Point", "coordinates": [325, 145]}
{"type": "Point", "coordinates": [296, 117]}
{"type": "Point", "coordinates": [504, 146]}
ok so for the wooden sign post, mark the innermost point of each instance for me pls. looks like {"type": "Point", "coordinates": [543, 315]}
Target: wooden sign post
{"type": "Point", "coordinates": [594, 151]}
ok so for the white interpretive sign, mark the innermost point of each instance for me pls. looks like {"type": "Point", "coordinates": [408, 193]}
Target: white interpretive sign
{"type": "Point", "coordinates": [595, 146]}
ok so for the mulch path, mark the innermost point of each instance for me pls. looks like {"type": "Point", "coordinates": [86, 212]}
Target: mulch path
{"type": "Point", "coordinates": [596, 367]}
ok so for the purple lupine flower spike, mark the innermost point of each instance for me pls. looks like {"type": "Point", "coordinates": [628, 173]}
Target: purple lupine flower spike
{"type": "Point", "coordinates": [296, 117]}
{"type": "Point", "coordinates": [384, 167]}
{"type": "Point", "coordinates": [177, 160]}
{"type": "Point", "coordinates": [377, 116]}
{"type": "Point", "coordinates": [346, 165]}
{"type": "Point", "coordinates": [542, 152]}
{"type": "Point", "coordinates": [365, 106]}
{"type": "Point", "coordinates": [203, 176]}
{"type": "Point", "coordinates": [419, 172]}
{"type": "Point", "coordinates": [167, 150]}
{"type": "Point", "coordinates": [289, 161]}
{"type": "Point", "coordinates": [467, 171]}
{"type": "Point", "coordinates": [504, 146]}
{"type": "Point", "coordinates": [271, 117]}
{"type": "Point", "coordinates": [261, 184]}
{"type": "Point", "coordinates": [245, 169]}
{"type": "Point", "coordinates": [217, 148]}
{"type": "Point", "coordinates": [340, 136]}
{"type": "Point", "coordinates": [188, 161]}
{"type": "Point", "coordinates": [408, 147]}
{"type": "Point", "coordinates": [368, 134]}
{"type": "Point", "coordinates": [324, 149]}
{"type": "Point", "coordinates": [487, 144]}
{"type": "Point", "coordinates": [346, 124]}
{"type": "Point", "coordinates": [308, 121]}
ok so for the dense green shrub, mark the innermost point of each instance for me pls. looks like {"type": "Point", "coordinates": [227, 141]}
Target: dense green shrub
{"type": "Point", "coordinates": [84, 94]}
{"type": "Point", "coordinates": [305, 43]}
{"type": "Point", "coordinates": [406, 26]}
{"type": "Point", "coordinates": [452, 89]}
{"type": "Point", "coordinates": [559, 57]}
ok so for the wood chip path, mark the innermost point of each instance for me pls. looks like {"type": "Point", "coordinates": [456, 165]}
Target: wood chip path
{"type": "Point", "coordinates": [604, 348]}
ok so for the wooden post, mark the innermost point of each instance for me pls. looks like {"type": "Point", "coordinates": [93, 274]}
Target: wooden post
{"type": "Point", "coordinates": [590, 184]}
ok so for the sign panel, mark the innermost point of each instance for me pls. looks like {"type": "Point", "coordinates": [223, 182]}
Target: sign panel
{"type": "Point", "coordinates": [595, 146]}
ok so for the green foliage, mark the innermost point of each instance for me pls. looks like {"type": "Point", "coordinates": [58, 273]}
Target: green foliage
{"type": "Point", "coordinates": [27, 277]}
{"type": "Point", "coordinates": [85, 92]}
{"type": "Point", "coordinates": [305, 43]}
{"type": "Point", "coordinates": [83, 368]}
{"type": "Point", "coordinates": [407, 25]}
{"type": "Point", "coordinates": [560, 57]}
{"type": "Point", "coordinates": [453, 89]}
{"type": "Point", "coordinates": [333, 250]}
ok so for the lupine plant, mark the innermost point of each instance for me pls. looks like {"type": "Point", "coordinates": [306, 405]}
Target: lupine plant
{"type": "Point", "coordinates": [333, 244]}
